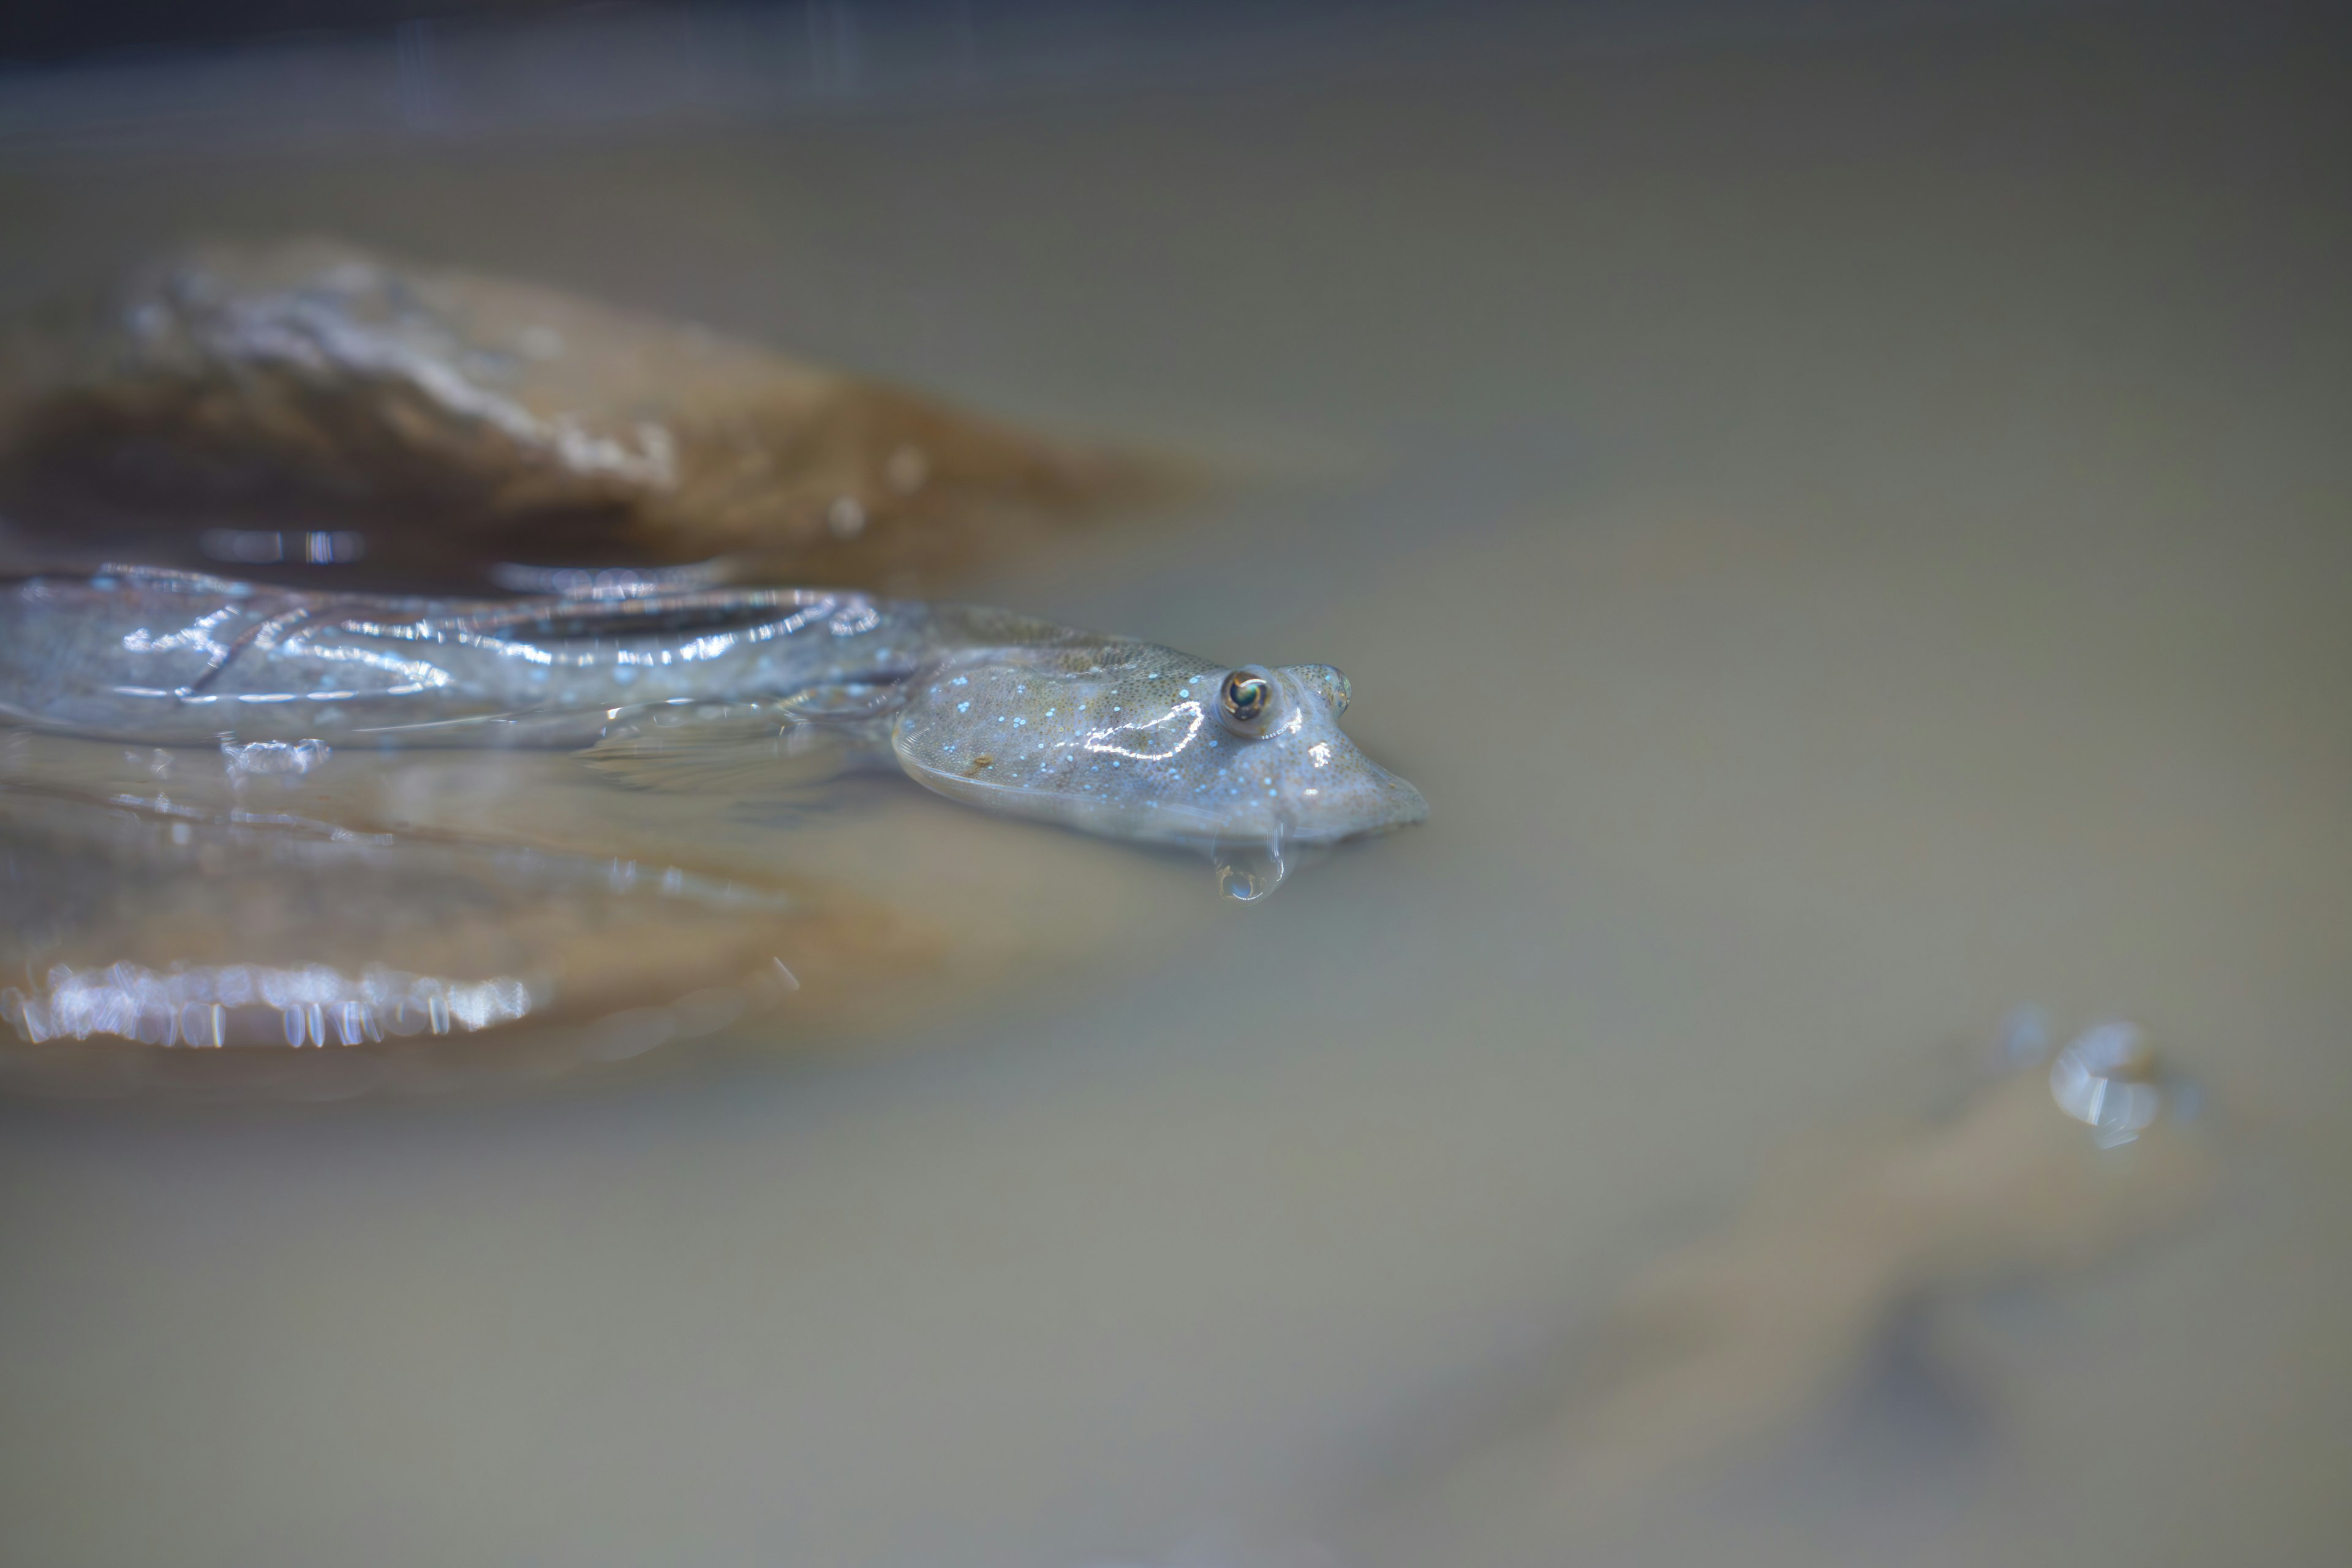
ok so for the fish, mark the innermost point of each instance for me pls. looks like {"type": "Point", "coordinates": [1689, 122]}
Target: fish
{"type": "Point", "coordinates": [1002, 712]}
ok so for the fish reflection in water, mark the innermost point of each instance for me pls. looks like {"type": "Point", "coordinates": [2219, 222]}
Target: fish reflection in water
{"type": "Point", "coordinates": [1011, 715]}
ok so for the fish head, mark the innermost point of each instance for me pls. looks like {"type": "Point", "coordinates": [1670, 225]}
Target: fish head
{"type": "Point", "coordinates": [1144, 744]}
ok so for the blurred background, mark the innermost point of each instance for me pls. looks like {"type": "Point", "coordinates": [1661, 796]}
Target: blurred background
{"type": "Point", "coordinates": [1842, 509]}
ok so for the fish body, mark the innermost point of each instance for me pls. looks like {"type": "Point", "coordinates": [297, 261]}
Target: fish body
{"type": "Point", "coordinates": [1003, 713]}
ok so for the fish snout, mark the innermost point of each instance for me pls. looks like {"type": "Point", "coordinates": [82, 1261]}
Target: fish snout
{"type": "Point", "coordinates": [1393, 805]}
{"type": "Point", "coordinates": [1364, 801]}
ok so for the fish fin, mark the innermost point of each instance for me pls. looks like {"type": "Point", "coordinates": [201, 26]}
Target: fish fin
{"type": "Point", "coordinates": [737, 748]}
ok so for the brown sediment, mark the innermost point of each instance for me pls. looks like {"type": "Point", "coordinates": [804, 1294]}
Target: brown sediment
{"type": "Point", "coordinates": [441, 416]}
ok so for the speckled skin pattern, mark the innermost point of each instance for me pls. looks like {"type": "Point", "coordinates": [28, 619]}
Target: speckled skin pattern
{"type": "Point", "coordinates": [1013, 715]}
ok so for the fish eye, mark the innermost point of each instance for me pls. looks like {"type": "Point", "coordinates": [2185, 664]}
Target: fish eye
{"type": "Point", "coordinates": [1245, 701]}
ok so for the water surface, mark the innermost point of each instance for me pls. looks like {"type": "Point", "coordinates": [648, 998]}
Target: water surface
{"type": "Point", "coordinates": [1847, 534]}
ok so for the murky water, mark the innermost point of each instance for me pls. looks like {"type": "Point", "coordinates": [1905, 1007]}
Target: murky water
{"type": "Point", "coordinates": [1848, 536]}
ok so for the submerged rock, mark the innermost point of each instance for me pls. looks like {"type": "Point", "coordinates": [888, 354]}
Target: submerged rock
{"type": "Point", "coordinates": [148, 945]}
{"type": "Point", "coordinates": [311, 404]}
{"type": "Point", "coordinates": [465, 919]}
